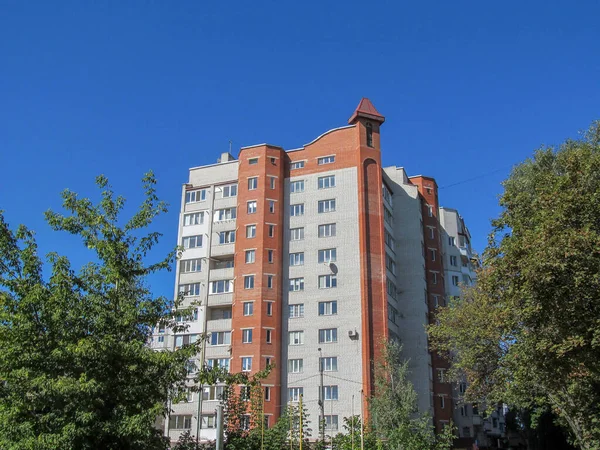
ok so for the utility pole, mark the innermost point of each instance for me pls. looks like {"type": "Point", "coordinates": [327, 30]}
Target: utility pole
{"type": "Point", "coordinates": [352, 424]}
{"type": "Point", "coordinates": [321, 398]}
{"type": "Point", "coordinates": [300, 421]}
{"type": "Point", "coordinates": [362, 424]}
{"type": "Point", "coordinates": [219, 443]}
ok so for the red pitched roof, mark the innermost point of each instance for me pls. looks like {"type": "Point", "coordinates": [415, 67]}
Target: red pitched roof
{"type": "Point", "coordinates": [366, 109]}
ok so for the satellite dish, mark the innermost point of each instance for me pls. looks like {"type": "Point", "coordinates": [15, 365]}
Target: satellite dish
{"type": "Point", "coordinates": [333, 268]}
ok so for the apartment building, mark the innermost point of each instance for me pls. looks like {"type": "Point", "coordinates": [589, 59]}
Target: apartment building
{"type": "Point", "coordinates": [309, 259]}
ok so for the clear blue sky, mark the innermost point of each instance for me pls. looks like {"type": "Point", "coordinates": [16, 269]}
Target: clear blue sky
{"type": "Point", "coordinates": [122, 87]}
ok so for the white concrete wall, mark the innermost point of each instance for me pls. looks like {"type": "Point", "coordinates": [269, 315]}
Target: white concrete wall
{"type": "Point", "coordinates": [348, 378]}
{"type": "Point", "coordinates": [411, 283]}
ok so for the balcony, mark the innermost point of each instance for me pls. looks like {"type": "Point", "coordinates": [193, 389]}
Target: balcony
{"type": "Point", "coordinates": [221, 249]}
{"type": "Point", "coordinates": [218, 325]}
{"type": "Point", "coordinates": [223, 225]}
{"type": "Point", "coordinates": [220, 299]}
{"type": "Point", "coordinates": [227, 202]}
{"type": "Point", "coordinates": [221, 274]}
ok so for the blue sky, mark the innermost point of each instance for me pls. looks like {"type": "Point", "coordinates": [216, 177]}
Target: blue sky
{"type": "Point", "coordinates": [467, 88]}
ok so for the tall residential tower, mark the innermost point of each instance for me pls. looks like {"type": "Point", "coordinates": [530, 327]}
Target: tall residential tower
{"type": "Point", "coordinates": [309, 259]}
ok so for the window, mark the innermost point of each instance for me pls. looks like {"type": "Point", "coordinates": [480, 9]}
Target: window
{"type": "Point", "coordinates": [272, 206]}
{"type": "Point", "coordinates": [296, 284]}
{"type": "Point", "coordinates": [248, 308]}
{"type": "Point", "coordinates": [270, 281]}
{"type": "Point", "coordinates": [430, 210]}
{"type": "Point", "coordinates": [273, 160]}
{"type": "Point", "coordinates": [269, 308]}
{"type": "Point", "coordinates": [223, 363]}
{"type": "Point", "coordinates": [250, 231]}
{"type": "Point", "coordinates": [193, 219]}
{"type": "Point", "coordinates": [434, 277]}
{"type": "Point", "coordinates": [267, 399]}
{"type": "Point", "coordinates": [327, 335]}
{"type": "Point", "coordinates": [195, 196]}
{"type": "Point", "coordinates": [180, 422]}
{"type": "Point", "coordinates": [294, 394]}
{"type": "Point", "coordinates": [452, 241]}
{"type": "Point", "coordinates": [248, 281]}
{"type": "Point", "coordinates": [326, 206]}
{"type": "Point", "coordinates": [191, 367]}
{"type": "Point", "coordinates": [189, 289]}
{"type": "Point", "coordinates": [161, 339]}
{"type": "Point", "coordinates": [251, 207]}
{"type": "Point", "coordinates": [269, 336]}
{"type": "Point", "coordinates": [327, 230]}
{"type": "Point", "coordinates": [252, 161]}
{"type": "Point", "coordinates": [221, 286]}
{"type": "Point", "coordinates": [297, 210]}
{"type": "Point", "coordinates": [296, 234]}
{"type": "Point", "coordinates": [220, 338]}
{"type": "Point", "coordinates": [271, 230]}
{"type": "Point", "coordinates": [327, 281]}
{"type": "Point", "coordinates": [297, 165]}
{"type": "Point", "coordinates": [296, 337]}
{"type": "Point", "coordinates": [462, 387]}
{"type": "Point", "coordinates": [214, 392]}
{"type": "Point", "coordinates": [228, 191]}
{"type": "Point", "coordinates": [297, 259]}
{"type": "Point", "coordinates": [190, 265]}
{"type": "Point", "coordinates": [442, 402]}
{"type": "Point", "coordinates": [209, 421]}
{"type": "Point", "coordinates": [270, 256]}
{"type": "Point", "coordinates": [390, 264]}
{"type": "Point", "coordinates": [387, 194]}
{"type": "Point", "coordinates": [225, 214]}
{"type": "Point", "coordinates": [252, 183]}
{"type": "Point", "coordinates": [331, 422]}
{"type": "Point", "coordinates": [246, 363]}
{"type": "Point", "coordinates": [453, 261]}
{"type": "Point", "coordinates": [330, 392]}
{"type": "Point", "coordinates": [245, 421]}
{"type": "Point", "coordinates": [388, 216]}
{"type": "Point", "coordinates": [272, 182]}
{"type": "Point", "coordinates": [250, 256]}
{"type": "Point", "coordinates": [455, 280]}
{"type": "Point", "coordinates": [431, 232]}
{"type": "Point", "coordinates": [227, 237]}
{"type": "Point", "coordinates": [296, 310]}
{"type": "Point", "coordinates": [328, 308]}
{"type": "Point", "coordinates": [246, 336]}
{"type": "Point", "coordinates": [295, 365]}
{"type": "Point", "coordinates": [328, 255]}
{"type": "Point", "coordinates": [328, 364]}
{"type": "Point", "coordinates": [369, 135]}
{"type": "Point", "coordinates": [436, 300]}
{"type": "Point", "coordinates": [432, 253]}
{"type": "Point", "coordinates": [463, 410]}
{"type": "Point", "coordinates": [494, 422]}
{"type": "Point", "coordinates": [391, 288]}
{"type": "Point", "coordinates": [326, 182]}
{"type": "Point", "coordinates": [326, 160]}
{"type": "Point", "coordinates": [392, 313]}
{"type": "Point", "coordinates": [389, 240]}
{"type": "Point", "coordinates": [296, 186]}
{"type": "Point", "coordinates": [192, 241]}
{"type": "Point", "coordinates": [441, 375]}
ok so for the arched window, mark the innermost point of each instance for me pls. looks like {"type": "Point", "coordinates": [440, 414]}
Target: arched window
{"type": "Point", "coordinates": [369, 135]}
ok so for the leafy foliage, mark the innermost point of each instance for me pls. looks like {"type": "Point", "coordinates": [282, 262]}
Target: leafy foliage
{"type": "Point", "coordinates": [75, 367]}
{"type": "Point", "coordinates": [528, 333]}
{"type": "Point", "coordinates": [394, 413]}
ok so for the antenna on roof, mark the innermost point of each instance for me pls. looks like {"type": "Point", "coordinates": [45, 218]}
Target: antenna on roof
{"type": "Point", "coordinates": [230, 146]}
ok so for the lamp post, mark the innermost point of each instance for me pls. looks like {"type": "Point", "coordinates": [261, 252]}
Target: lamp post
{"type": "Point", "coordinates": [321, 397]}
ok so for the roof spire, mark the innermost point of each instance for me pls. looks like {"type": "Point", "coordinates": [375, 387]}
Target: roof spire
{"type": "Point", "coordinates": [366, 109]}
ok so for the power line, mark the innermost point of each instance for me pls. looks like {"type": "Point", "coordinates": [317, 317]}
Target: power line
{"type": "Point", "coordinates": [468, 180]}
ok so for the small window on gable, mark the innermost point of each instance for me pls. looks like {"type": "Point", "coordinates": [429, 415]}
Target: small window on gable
{"type": "Point", "coordinates": [369, 135]}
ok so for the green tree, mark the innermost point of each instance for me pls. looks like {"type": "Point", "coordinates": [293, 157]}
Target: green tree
{"type": "Point", "coordinates": [75, 368]}
{"type": "Point", "coordinates": [528, 333]}
{"type": "Point", "coordinates": [394, 414]}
